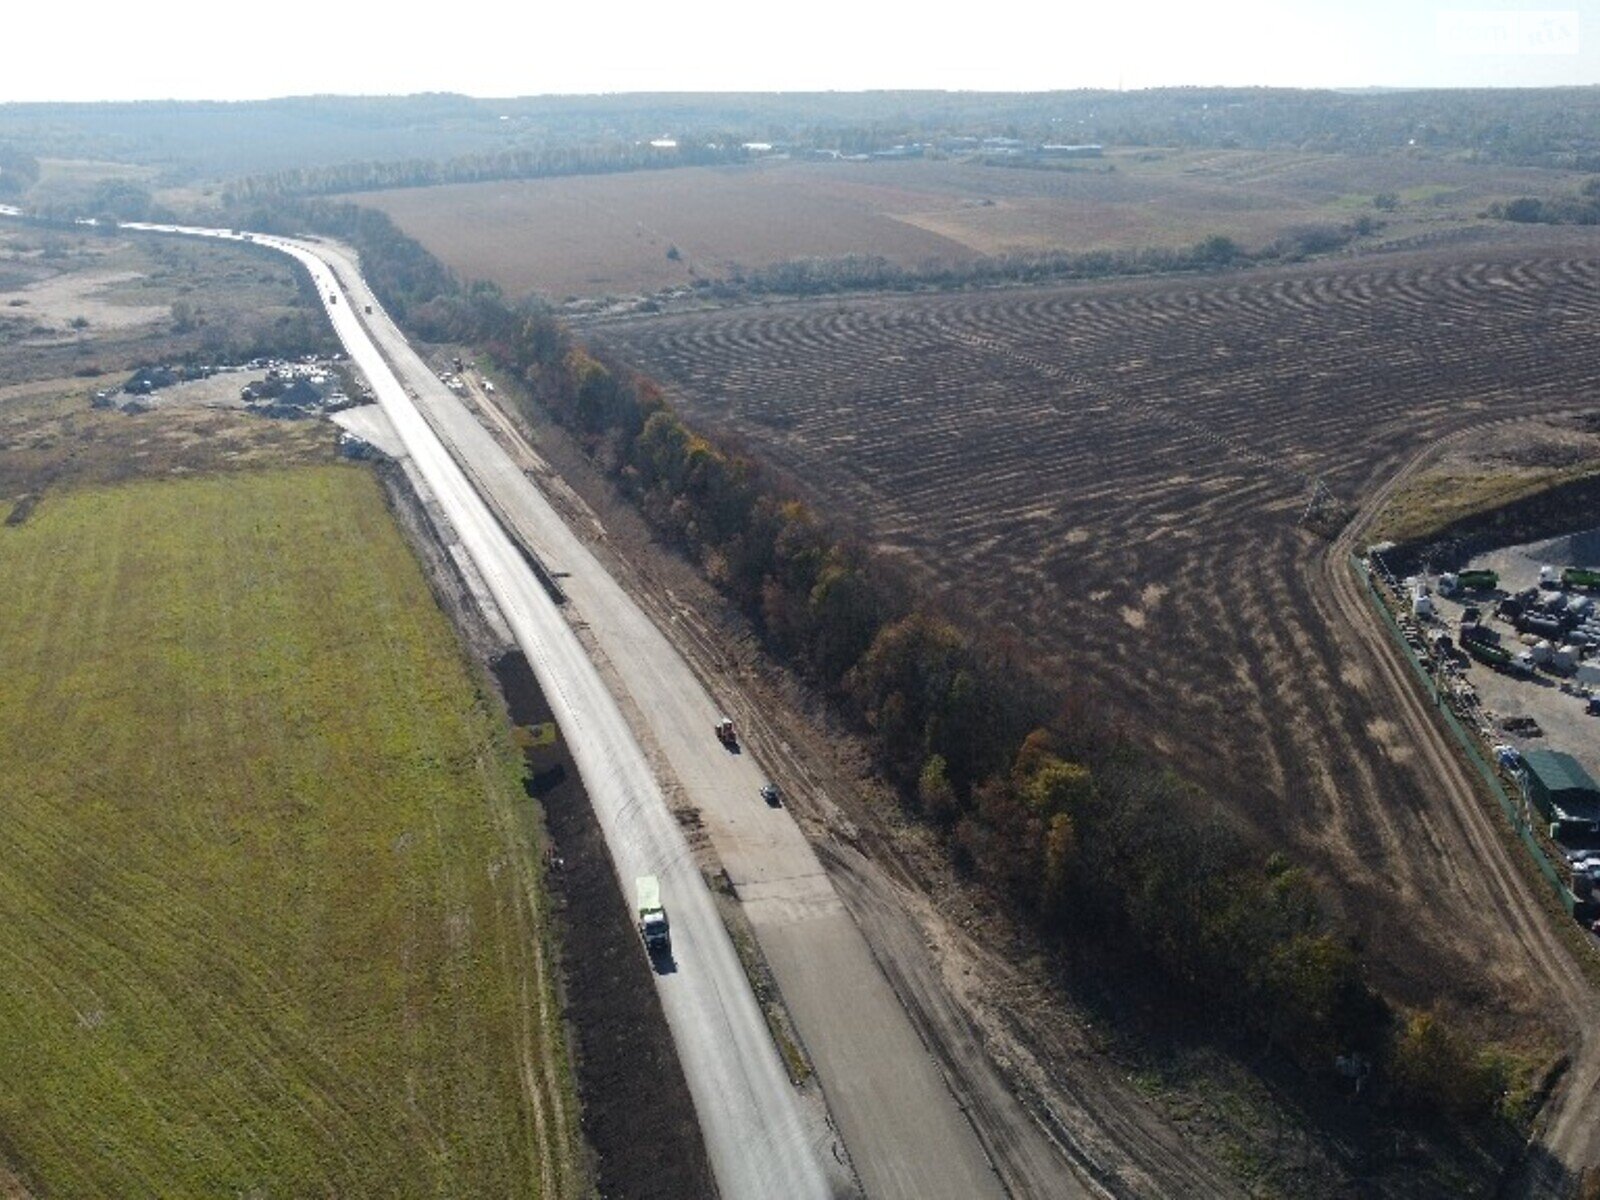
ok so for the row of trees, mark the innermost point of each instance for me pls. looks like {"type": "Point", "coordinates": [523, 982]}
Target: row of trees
{"type": "Point", "coordinates": [529, 163]}
{"type": "Point", "coordinates": [1057, 815]}
{"type": "Point", "coordinates": [1045, 805]}
{"type": "Point", "coordinates": [866, 272]}
{"type": "Point", "coordinates": [1581, 208]}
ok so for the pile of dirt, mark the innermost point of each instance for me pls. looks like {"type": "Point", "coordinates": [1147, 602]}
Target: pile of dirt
{"type": "Point", "coordinates": [1547, 514]}
{"type": "Point", "coordinates": [638, 1116]}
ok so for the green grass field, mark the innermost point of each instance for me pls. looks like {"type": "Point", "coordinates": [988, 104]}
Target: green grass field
{"type": "Point", "coordinates": [270, 918]}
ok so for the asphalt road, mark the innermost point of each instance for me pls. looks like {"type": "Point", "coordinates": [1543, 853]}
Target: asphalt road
{"type": "Point", "coordinates": [761, 1139]}
{"type": "Point", "coordinates": [906, 1134]}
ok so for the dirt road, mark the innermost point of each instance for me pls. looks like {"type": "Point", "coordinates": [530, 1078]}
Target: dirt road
{"type": "Point", "coordinates": [1568, 1137]}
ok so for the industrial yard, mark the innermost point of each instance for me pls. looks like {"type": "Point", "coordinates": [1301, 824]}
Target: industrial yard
{"type": "Point", "coordinates": [1511, 642]}
{"type": "Point", "coordinates": [1551, 687]}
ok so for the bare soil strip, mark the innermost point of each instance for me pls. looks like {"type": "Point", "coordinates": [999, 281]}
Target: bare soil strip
{"type": "Point", "coordinates": [638, 1116]}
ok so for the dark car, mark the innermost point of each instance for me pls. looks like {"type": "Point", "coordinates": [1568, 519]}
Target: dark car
{"type": "Point", "coordinates": [770, 793]}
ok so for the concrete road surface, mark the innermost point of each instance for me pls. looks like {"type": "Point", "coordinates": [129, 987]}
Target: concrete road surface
{"type": "Point", "coordinates": [906, 1134]}
{"type": "Point", "coordinates": [762, 1141]}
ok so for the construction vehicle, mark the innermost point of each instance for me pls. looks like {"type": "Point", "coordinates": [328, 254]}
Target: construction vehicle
{"type": "Point", "coordinates": [653, 927]}
{"type": "Point", "coordinates": [369, 310]}
{"type": "Point", "coordinates": [725, 733]}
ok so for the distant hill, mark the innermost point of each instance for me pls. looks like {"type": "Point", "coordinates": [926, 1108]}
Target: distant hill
{"type": "Point", "coordinates": [191, 141]}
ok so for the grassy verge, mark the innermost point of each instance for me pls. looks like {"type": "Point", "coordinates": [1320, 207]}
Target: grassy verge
{"type": "Point", "coordinates": [270, 923]}
{"type": "Point", "coordinates": [1446, 496]}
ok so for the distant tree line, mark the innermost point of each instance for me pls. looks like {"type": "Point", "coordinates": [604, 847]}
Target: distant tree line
{"type": "Point", "coordinates": [868, 272]}
{"type": "Point", "coordinates": [191, 141]}
{"type": "Point", "coordinates": [108, 201]}
{"type": "Point", "coordinates": [1042, 802]}
{"type": "Point", "coordinates": [18, 171]}
{"type": "Point", "coordinates": [1580, 208]}
{"type": "Point", "coordinates": [1553, 127]}
{"type": "Point", "coordinates": [1545, 127]}
{"type": "Point", "coordinates": [537, 163]}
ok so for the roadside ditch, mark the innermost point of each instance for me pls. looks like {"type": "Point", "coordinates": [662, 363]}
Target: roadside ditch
{"type": "Point", "coordinates": [638, 1118]}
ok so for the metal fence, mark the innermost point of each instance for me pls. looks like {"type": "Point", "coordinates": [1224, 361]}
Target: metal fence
{"type": "Point", "coordinates": [1514, 812]}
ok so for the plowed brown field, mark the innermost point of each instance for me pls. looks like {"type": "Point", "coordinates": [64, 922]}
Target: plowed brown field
{"type": "Point", "coordinates": [1117, 472]}
{"type": "Point", "coordinates": [593, 235]}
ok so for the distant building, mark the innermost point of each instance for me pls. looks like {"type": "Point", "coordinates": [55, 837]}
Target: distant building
{"type": "Point", "coordinates": [1081, 150]}
{"type": "Point", "coordinates": [1564, 794]}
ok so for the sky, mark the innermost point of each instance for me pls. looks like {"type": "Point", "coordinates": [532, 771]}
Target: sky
{"type": "Point", "coordinates": [202, 49]}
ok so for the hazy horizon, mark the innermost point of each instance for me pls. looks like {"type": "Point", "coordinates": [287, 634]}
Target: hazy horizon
{"type": "Point", "coordinates": [183, 52]}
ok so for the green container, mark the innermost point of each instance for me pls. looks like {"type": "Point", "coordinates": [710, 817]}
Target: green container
{"type": "Point", "coordinates": [1492, 655]}
{"type": "Point", "coordinates": [1580, 577]}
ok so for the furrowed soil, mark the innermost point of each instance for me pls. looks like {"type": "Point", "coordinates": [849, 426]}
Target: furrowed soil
{"type": "Point", "coordinates": [1108, 1067]}
{"type": "Point", "coordinates": [610, 234]}
{"type": "Point", "coordinates": [270, 902]}
{"type": "Point", "coordinates": [638, 1116]}
{"type": "Point", "coordinates": [1125, 479]}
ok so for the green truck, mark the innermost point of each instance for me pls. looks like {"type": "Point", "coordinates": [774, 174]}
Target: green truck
{"type": "Point", "coordinates": [1580, 577]}
{"type": "Point", "coordinates": [653, 927]}
{"type": "Point", "coordinates": [1491, 656]}
{"type": "Point", "coordinates": [1478, 581]}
